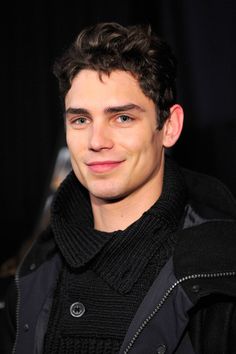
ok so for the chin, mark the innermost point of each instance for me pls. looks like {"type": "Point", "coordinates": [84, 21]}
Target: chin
{"type": "Point", "coordinates": [109, 197]}
{"type": "Point", "coordinates": [107, 194]}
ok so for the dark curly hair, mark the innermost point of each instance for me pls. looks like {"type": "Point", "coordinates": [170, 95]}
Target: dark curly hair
{"type": "Point", "coordinates": [105, 47]}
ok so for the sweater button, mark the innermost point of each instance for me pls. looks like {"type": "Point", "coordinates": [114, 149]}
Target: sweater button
{"type": "Point", "coordinates": [161, 349]}
{"type": "Point", "coordinates": [77, 309]}
{"type": "Point", "coordinates": [32, 266]}
{"type": "Point", "coordinates": [26, 327]}
{"type": "Point", "coordinates": [195, 288]}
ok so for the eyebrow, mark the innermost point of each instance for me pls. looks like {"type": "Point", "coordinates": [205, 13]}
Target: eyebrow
{"type": "Point", "coordinates": [113, 109]}
{"type": "Point", "coordinates": [71, 110]}
{"type": "Point", "coordinates": [126, 107]}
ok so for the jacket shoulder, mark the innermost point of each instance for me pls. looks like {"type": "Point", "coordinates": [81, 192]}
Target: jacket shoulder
{"type": "Point", "coordinates": [209, 194]}
{"type": "Point", "coordinates": [41, 250]}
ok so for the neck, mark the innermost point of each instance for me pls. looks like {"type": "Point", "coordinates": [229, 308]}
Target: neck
{"type": "Point", "coordinates": [116, 215]}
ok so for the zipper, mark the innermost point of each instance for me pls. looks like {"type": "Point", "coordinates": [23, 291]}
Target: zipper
{"type": "Point", "coordinates": [165, 297]}
{"type": "Point", "coordinates": [17, 281]}
{"type": "Point", "coordinates": [17, 308]}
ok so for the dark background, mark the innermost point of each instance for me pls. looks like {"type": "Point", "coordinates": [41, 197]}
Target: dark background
{"type": "Point", "coordinates": [203, 36]}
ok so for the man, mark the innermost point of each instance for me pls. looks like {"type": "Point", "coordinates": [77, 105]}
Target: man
{"type": "Point", "coordinates": [139, 256]}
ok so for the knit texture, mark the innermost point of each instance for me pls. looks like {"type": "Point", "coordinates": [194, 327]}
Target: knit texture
{"type": "Point", "coordinates": [110, 273]}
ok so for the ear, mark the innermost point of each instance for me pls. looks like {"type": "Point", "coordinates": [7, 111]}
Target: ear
{"type": "Point", "coordinates": [173, 126]}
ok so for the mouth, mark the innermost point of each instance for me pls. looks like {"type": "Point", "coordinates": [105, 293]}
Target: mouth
{"type": "Point", "coordinates": [103, 166]}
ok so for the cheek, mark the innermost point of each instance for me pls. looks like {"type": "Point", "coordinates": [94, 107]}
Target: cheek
{"type": "Point", "coordinates": [68, 137]}
{"type": "Point", "coordinates": [74, 142]}
{"type": "Point", "coordinates": [148, 144]}
{"type": "Point", "coordinates": [133, 140]}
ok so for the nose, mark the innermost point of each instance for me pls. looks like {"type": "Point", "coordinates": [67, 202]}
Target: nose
{"type": "Point", "coordinates": [100, 137]}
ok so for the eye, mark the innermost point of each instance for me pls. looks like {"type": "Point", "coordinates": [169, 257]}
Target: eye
{"type": "Point", "coordinates": [123, 118]}
{"type": "Point", "coordinates": [79, 122]}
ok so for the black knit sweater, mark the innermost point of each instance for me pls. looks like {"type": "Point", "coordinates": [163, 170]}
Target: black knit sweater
{"type": "Point", "coordinates": [109, 273]}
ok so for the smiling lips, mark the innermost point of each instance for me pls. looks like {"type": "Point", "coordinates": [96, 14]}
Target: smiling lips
{"type": "Point", "coordinates": [103, 166]}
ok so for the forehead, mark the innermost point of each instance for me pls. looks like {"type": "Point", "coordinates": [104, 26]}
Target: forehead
{"type": "Point", "coordinates": [90, 88]}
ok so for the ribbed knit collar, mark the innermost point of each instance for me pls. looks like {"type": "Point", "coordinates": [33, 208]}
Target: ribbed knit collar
{"type": "Point", "coordinates": [79, 242]}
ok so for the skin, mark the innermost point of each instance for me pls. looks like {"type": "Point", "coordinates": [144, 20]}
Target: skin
{"type": "Point", "coordinates": [116, 150]}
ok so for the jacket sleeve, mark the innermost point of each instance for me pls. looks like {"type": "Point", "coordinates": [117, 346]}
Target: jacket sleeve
{"type": "Point", "coordinates": [8, 320]}
{"type": "Point", "coordinates": [212, 327]}
{"type": "Point", "coordinates": [232, 336]}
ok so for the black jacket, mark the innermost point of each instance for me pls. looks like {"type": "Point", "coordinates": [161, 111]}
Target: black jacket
{"type": "Point", "coordinates": [190, 307]}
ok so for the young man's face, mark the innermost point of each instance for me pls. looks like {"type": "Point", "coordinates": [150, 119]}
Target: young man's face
{"type": "Point", "coordinates": [111, 129]}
